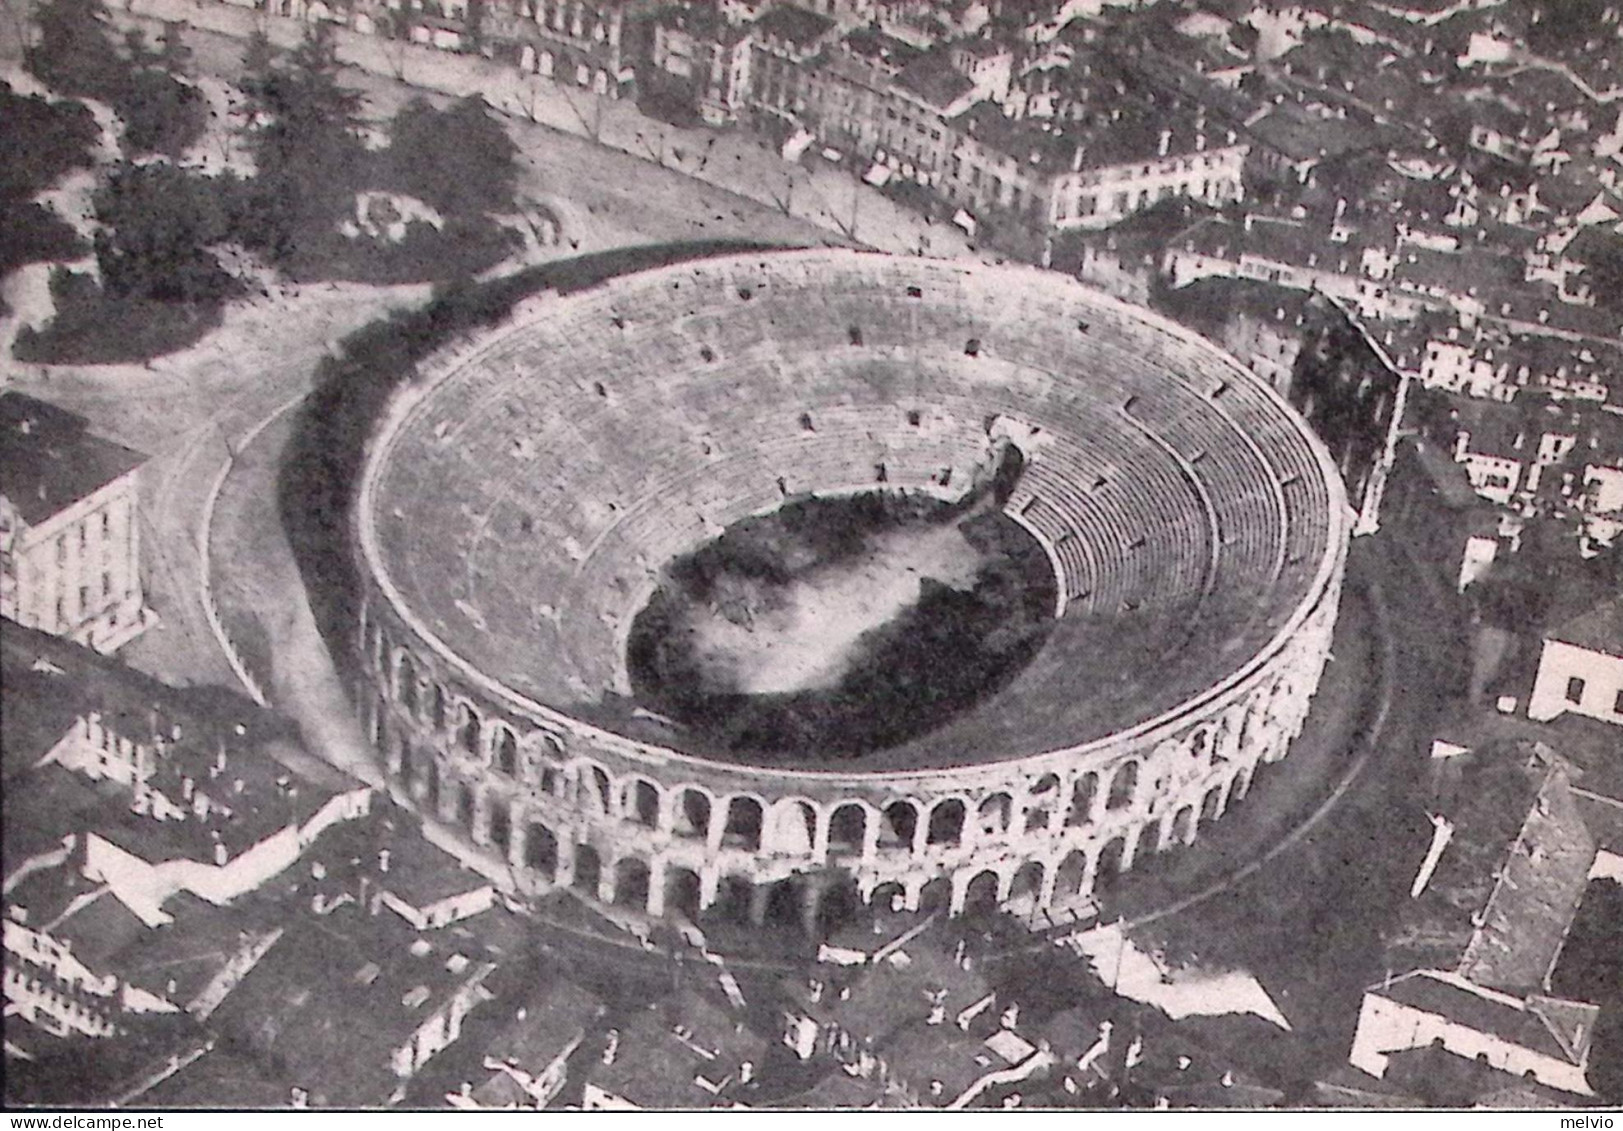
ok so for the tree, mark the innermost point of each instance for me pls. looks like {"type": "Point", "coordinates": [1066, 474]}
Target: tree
{"type": "Point", "coordinates": [158, 222]}
{"type": "Point", "coordinates": [174, 54]}
{"type": "Point", "coordinates": [75, 53]}
{"type": "Point", "coordinates": [304, 133]}
{"type": "Point", "coordinates": [42, 140]}
{"type": "Point", "coordinates": [161, 114]}
{"type": "Point", "coordinates": [460, 160]}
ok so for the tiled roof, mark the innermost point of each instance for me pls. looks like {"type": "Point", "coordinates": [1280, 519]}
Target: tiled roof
{"type": "Point", "coordinates": [931, 78]}
{"type": "Point", "coordinates": [669, 1045]}
{"type": "Point", "coordinates": [1524, 1024]}
{"type": "Point", "coordinates": [793, 25]}
{"type": "Point", "coordinates": [1600, 629]}
{"type": "Point", "coordinates": [556, 1015]}
{"type": "Point", "coordinates": [328, 982]}
{"type": "Point", "coordinates": [1541, 880]}
{"type": "Point", "coordinates": [420, 873]}
{"type": "Point", "coordinates": [921, 1055]}
{"type": "Point", "coordinates": [49, 459]}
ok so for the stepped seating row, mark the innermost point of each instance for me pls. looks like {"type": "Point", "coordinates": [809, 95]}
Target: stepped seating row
{"type": "Point", "coordinates": [567, 461]}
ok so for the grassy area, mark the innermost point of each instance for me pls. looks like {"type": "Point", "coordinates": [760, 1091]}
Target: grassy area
{"type": "Point", "coordinates": [244, 538]}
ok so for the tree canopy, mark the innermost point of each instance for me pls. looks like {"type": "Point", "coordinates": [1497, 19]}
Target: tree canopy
{"type": "Point", "coordinates": [460, 160]}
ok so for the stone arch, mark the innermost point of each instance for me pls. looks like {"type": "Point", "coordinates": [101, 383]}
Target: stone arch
{"type": "Point", "coordinates": [691, 817]}
{"type": "Point", "coordinates": [1242, 784]}
{"type": "Point", "coordinates": [1201, 744]}
{"type": "Point", "coordinates": [899, 825]}
{"type": "Point", "coordinates": [1211, 806]}
{"type": "Point", "coordinates": [1071, 874]}
{"type": "Point", "coordinates": [467, 805]}
{"type": "Point", "coordinates": [981, 893]}
{"type": "Point", "coordinates": [541, 850]}
{"type": "Point", "coordinates": [1041, 802]}
{"type": "Point", "coordinates": [743, 827]}
{"type": "Point", "coordinates": [683, 891]}
{"type": "Point", "coordinates": [1123, 786]}
{"type": "Point", "coordinates": [889, 896]}
{"type": "Point", "coordinates": [1181, 829]}
{"type": "Point", "coordinates": [946, 822]}
{"type": "Point", "coordinates": [936, 895]}
{"type": "Point", "coordinates": [468, 729]}
{"type": "Point", "coordinates": [1083, 794]}
{"type": "Point", "coordinates": [438, 701]}
{"type": "Point", "coordinates": [431, 784]}
{"type": "Point", "coordinates": [848, 828]}
{"type": "Point", "coordinates": [993, 814]}
{"type": "Point", "coordinates": [1112, 863]}
{"type": "Point", "coordinates": [406, 684]}
{"type": "Point", "coordinates": [588, 875]}
{"type": "Point", "coordinates": [1028, 881]}
{"type": "Point", "coordinates": [640, 803]}
{"type": "Point", "coordinates": [500, 827]}
{"type": "Point", "coordinates": [631, 882]}
{"type": "Point", "coordinates": [793, 828]}
{"type": "Point", "coordinates": [592, 784]}
{"type": "Point", "coordinates": [506, 751]}
{"type": "Point", "coordinates": [734, 894]}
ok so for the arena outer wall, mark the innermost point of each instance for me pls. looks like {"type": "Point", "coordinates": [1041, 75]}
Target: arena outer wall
{"type": "Point", "coordinates": [645, 826]}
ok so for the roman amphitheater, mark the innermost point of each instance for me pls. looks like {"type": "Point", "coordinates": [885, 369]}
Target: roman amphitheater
{"type": "Point", "coordinates": [522, 495]}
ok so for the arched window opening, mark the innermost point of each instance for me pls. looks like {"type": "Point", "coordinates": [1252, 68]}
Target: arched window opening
{"type": "Point", "coordinates": [501, 829]}
{"type": "Point", "coordinates": [743, 827]}
{"type": "Point", "coordinates": [642, 804]}
{"type": "Point", "coordinates": [946, 823]}
{"type": "Point", "coordinates": [693, 815]}
{"type": "Point", "coordinates": [682, 892]}
{"type": "Point", "coordinates": [1123, 786]}
{"type": "Point", "coordinates": [588, 870]}
{"type": "Point", "coordinates": [899, 826]}
{"type": "Point", "coordinates": [506, 752]}
{"type": "Point", "coordinates": [980, 896]}
{"type": "Point", "coordinates": [848, 829]}
{"type": "Point", "coordinates": [1082, 796]}
{"type": "Point", "coordinates": [541, 851]}
{"type": "Point", "coordinates": [631, 883]}
{"type": "Point", "coordinates": [992, 815]}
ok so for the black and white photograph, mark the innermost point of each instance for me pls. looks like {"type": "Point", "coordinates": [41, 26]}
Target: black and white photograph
{"type": "Point", "coordinates": [811, 556]}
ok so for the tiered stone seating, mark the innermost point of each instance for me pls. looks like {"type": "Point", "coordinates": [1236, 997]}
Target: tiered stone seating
{"type": "Point", "coordinates": [532, 494]}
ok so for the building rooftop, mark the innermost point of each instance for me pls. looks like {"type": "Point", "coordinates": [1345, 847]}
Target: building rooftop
{"type": "Point", "coordinates": [933, 80]}
{"type": "Point", "coordinates": [681, 1052]}
{"type": "Point", "coordinates": [1497, 903]}
{"type": "Point", "coordinates": [559, 1012]}
{"type": "Point", "coordinates": [421, 874]}
{"type": "Point", "coordinates": [1599, 630]}
{"type": "Point", "coordinates": [326, 981]}
{"type": "Point", "coordinates": [1542, 1025]}
{"type": "Point", "coordinates": [49, 459]}
{"type": "Point", "coordinates": [794, 25]}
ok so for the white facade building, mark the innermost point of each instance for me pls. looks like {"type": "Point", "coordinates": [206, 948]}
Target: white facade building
{"type": "Point", "coordinates": [1580, 670]}
{"type": "Point", "coordinates": [70, 553]}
